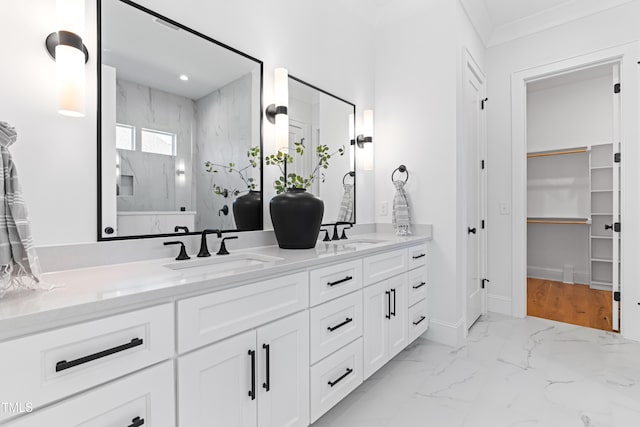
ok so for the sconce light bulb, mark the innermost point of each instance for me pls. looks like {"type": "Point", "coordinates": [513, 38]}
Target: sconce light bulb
{"type": "Point", "coordinates": [70, 79]}
{"type": "Point", "coordinates": [368, 123]}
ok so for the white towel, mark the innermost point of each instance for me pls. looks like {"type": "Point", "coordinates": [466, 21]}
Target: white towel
{"type": "Point", "coordinates": [400, 216]}
{"type": "Point", "coordinates": [19, 265]}
{"type": "Point", "coordinates": [345, 214]}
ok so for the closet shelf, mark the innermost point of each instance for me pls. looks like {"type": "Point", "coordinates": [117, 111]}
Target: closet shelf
{"type": "Point", "coordinates": [601, 214]}
{"type": "Point", "coordinates": [557, 152]}
{"type": "Point", "coordinates": [602, 191]}
{"type": "Point", "coordinates": [602, 237]}
{"type": "Point", "coordinates": [601, 167]}
{"type": "Point", "coordinates": [601, 260]}
{"type": "Point", "coordinates": [539, 220]}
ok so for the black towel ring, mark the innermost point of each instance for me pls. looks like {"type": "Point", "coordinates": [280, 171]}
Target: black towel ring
{"type": "Point", "coordinates": [351, 173]}
{"type": "Point", "coordinates": [401, 169]}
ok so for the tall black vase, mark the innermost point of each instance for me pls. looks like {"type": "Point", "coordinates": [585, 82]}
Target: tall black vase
{"type": "Point", "coordinates": [296, 216]}
{"type": "Point", "coordinates": [247, 211]}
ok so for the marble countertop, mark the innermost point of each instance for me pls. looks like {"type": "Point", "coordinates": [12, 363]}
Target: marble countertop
{"type": "Point", "coordinates": [85, 293]}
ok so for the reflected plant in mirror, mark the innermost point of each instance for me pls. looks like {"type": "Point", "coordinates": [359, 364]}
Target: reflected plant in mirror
{"type": "Point", "coordinates": [175, 105]}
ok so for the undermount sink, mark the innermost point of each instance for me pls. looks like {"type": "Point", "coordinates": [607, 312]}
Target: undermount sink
{"type": "Point", "coordinates": [223, 264]}
{"type": "Point", "coordinates": [358, 242]}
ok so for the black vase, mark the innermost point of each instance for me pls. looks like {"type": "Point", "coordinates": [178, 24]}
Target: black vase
{"type": "Point", "coordinates": [296, 216]}
{"type": "Point", "coordinates": [247, 211]}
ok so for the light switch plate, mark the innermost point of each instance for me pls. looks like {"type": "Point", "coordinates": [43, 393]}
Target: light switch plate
{"type": "Point", "coordinates": [383, 209]}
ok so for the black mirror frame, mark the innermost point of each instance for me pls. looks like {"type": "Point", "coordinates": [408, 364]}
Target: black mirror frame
{"type": "Point", "coordinates": [99, 119]}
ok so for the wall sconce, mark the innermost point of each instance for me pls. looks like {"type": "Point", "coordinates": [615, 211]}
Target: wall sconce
{"type": "Point", "coordinates": [367, 129]}
{"type": "Point", "coordinates": [278, 113]}
{"type": "Point", "coordinates": [70, 54]}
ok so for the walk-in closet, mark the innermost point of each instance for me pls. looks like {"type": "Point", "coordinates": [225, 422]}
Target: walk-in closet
{"type": "Point", "coordinates": [573, 197]}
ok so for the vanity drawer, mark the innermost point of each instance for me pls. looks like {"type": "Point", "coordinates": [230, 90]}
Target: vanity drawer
{"type": "Point", "coordinates": [417, 256]}
{"type": "Point", "coordinates": [418, 320]}
{"type": "Point", "coordinates": [418, 285]}
{"type": "Point", "coordinates": [208, 318]}
{"type": "Point", "coordinates": [335, 377]}
{"type": "Point", "coordinates": [51, 365]}
{"type": "Point", "coordinates": [383, 266]}
{"type": "Point", "coordinates": [333, 281]}
{"type": "Point", "coordinates": [142, 399]}
{"type": "Point", "coordinates": [335, 324]}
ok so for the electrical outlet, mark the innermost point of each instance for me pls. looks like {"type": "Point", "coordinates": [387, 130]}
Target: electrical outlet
{"type": "Point", "coordinates": [383, 209]}
{"type": "Point", "coordinates": [504, 208]}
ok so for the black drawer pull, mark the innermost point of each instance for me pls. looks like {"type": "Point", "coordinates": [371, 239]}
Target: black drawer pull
{"type": "Point", "coordinates": [252, 392]}
{"type": "Point", "coordinates": [63, 364]}
{"type": "Point", "coordinates": [340, 325]}
{"type": "Point", "coordinates": [343, 376]}
{"type": "Point", "coordinates": [267, 351]}
{"type": "Point", "coordinates": [388, 294]}
{"type": "Point", "coordinates": [393, 313]}
{"type": "Point", "coordinates": [136, 422]}
{"type": "Point", "coordinates": [419, 285]}
{"type": "Point", "coordinates": [337, 282]}
{"type": "Point", "coordinates": [419, 256]}
{"type": "Point", "coordinates": [419, 321]}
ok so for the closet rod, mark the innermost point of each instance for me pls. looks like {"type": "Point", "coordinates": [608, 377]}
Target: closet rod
{"type": "Point", "coordinates": [557, 153]}
{"type": "Point", "coordinates": [557, 221]}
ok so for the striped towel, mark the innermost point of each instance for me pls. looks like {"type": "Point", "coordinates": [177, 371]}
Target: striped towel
{"type": "Point", "coordinates": [345, 214]}
{"type": "Point", "coordinates": [19, 265]}
{"type": "Point", "coordinates": [400, 215]}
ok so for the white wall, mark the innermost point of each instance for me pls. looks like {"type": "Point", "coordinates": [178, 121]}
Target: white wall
{"type": "Point", "coordinates": [56, 155]}
{"type": "Point", "coordinates": [418, 62]}
{"type": "Point", "coordinates": [612, 27]}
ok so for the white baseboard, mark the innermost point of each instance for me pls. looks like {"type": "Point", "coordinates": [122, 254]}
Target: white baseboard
{"type": "Point", "coordinates": [447, 333]}
{"type": "Point", "coordinates": [556, 274]}
{"type": "Point", "coordinates": [499, 304]}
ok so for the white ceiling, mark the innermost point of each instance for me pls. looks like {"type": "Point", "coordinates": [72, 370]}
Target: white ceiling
{"type": "Point", "coordinates": [499, 21]}
{"type": "Point", "coordinates": [147, 52]}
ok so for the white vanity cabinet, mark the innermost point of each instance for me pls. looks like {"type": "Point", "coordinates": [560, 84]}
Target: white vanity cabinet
{"type": "Point", "coordinates": [138, 400]}
{"type": "Point", "coordinates": [258, 378]}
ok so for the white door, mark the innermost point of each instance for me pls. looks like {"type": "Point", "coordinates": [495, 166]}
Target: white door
{"type": "Point", "coordinates": [398, 330]}
{"type": "Point", "coordinates": [377, 299]}
{"type": "Point", "coordinates": [215, 384]}
{"type": "Point", "coordinates": [615, 318]}
{"type": "Point", "coordinates": [283, 366]}
{"type": "Point", "coordinates": [473, 133]}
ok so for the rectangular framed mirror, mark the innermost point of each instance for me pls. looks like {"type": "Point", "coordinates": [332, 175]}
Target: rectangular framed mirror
{"type": "Point", "coordinates": [318, 118]}
{"type": "Point", "coordinates": [179, 128]}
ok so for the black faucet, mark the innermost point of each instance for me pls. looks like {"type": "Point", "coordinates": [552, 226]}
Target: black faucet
{"type": "Point", "coordinates": [335, 229]}
{"type": "Point", "coordinates": [223, 248]}
{"type": "Point", "coordinates": [204, 250]}
{"type": "Point", "coordinates": [183, 252]}
{"type": "Point", "coordinates": [181, 227]}
{"type": "Point", "coordinates": [326, 235]}
{"type": "Point", "coordinates": [344, 232]}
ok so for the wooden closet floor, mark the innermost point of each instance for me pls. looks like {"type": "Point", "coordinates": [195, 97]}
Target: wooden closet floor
{"type": "Point", "coordinates": [575, 304]}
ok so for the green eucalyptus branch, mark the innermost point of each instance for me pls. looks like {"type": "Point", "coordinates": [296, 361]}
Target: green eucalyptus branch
{"type": "Point", "coordinates": [253, 154]}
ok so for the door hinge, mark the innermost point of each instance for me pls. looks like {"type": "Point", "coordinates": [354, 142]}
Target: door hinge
{"type": "Point", "coordinates": [483, 102]}
{"type": "Point", "coordinates": [616, 158]}
{"type": "Point", "coordinates": [616, 296]}
{"type": "Point", "coordinates": [616, 88]}
{"type": "Point", "coordinates": [483, 281]}
{"type": "Point", "coordinates": [481, 164]}
{"type": "Point", "coordinates": [482, 224]}
{"type": "Point", "coordinates": [616, 227]}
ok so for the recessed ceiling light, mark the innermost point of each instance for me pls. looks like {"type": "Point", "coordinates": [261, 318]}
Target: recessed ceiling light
{"type": "Point", "coordinates": [184, 77]}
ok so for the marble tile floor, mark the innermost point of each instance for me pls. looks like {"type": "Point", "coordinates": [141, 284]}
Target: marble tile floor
{"type": "Point", "coordinates": [511, 372]}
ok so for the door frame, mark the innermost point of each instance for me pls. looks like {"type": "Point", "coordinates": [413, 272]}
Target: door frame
{"type": "Point", "coordinates": [627, 56]}
{"type": "Point", "coordinates": [471, 65]}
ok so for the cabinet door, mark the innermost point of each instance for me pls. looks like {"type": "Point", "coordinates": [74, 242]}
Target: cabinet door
{"type": "Point", "coordinates": [398, 332]}
{"type": "Point", "coordinates": [215, 383]}
{"type": "Point", "coordinates": [283, 367]}
{"type": "Point", "coordinates": [376, 316]}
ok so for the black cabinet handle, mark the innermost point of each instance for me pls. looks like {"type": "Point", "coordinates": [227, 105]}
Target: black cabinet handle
{"type": "Point", "coordinates": [419, 256]}
{"type": "Point", "coordinates": [419, 321]}
{"type": "Point", "coordinates": [252, 392]}
{"type": "Point", "coordinates": [393, 313]}
{"type": "Point", "coordinates": [267, 384]}
{"type": "Point", "coordinates": [471, 230]}
{"type": "Point", "coordinates": [136, 422]}
{"type": "Point", "coordinates": [343, 376]}
{"type": "Point", "coordinates": [63, 364]}
{"type": "Point", "coordinates": [340, 325]}
{"type": "Point", "coordinates": [337, 282]}
{"type": "Point", "coordinates": [608, 227]}
{"type": "Point", "coordinates": [419, 285]}
{"type": "Point", "coordinates": [388, 315]}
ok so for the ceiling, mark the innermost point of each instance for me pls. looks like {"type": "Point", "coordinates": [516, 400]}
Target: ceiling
{"type": "Point", "coordinates": [149, 51]}
{"type": "Point", "coordinates": [499, 21]}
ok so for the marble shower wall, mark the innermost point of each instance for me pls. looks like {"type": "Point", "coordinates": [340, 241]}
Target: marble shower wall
{"type": "Point", "coordinates": [223, 136]}
{"type": "Point", "coordinates": [156, 186]}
